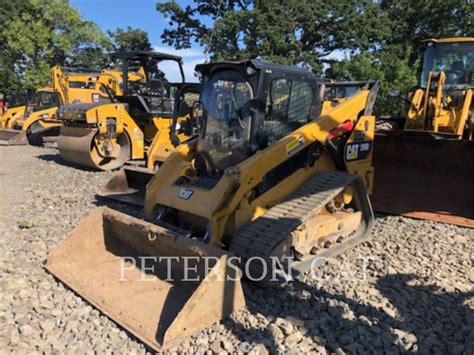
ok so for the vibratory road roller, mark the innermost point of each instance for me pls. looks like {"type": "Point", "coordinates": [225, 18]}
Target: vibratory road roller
{"type": "Point", "coordinates": [135, 126]}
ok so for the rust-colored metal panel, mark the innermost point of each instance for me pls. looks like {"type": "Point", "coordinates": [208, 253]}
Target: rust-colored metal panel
{"type": "Point", "coordinates": [157, 311]}
{"type": "Point", "coordinates": [424, 176]}
{"type": "Point", "coordinates": [128, 185]}
{"type": "Point", "coordinates": [12, 137]}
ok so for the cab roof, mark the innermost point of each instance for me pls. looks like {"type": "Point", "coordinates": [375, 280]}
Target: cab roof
{"type": "Point", "coordinates": [139, 55]}
{"type": "Point", "coordinates": [207, 68]}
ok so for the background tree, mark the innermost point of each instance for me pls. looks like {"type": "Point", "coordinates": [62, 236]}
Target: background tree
{"type": "Point", "coordinates": [129, 39]}
{"type": "Point", "coordinates": [289, 32]}
{"type": "Point", "coordinates": [37, 34]}
{"type": "Point", "coordinates": [378, 39]}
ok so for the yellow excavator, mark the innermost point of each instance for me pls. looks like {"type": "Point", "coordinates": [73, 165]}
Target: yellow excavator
{"type": "Point", "coordinates": [36, 119]}
{"type": "Point", "coordinates": [265, 176]}
{"type": "Point", "coordinates": [135, 126]}
{"type": "Point", "coordinates": [424, 163]}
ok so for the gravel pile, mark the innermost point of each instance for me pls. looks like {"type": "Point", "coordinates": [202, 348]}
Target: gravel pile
{"type": "Point", "coordinates": [407, 290]}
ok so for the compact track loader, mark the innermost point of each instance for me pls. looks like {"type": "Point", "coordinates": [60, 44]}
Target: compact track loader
{"type": "Point", "coordinates": [265, 176]}
{"type": "Point", "coordinates": [129, 183]}
{"type": "Point", "coordinates": [37, 118]}
{"type": "Point", "coordinates": [425, 166]}
{"type": "Point", "coordinates": [135, 126]}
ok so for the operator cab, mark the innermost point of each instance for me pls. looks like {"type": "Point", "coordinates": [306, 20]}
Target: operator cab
{"type": "Point", "coordinates": [154, 94]}
{"type": "Point", "coordinates": [42, 100]}
{"type": "Point", "coordinates": [453, 56]}
{"type": "Point", "coordinates": [246, 106]}
{"type": "Point", "coordinates": [15, 99]}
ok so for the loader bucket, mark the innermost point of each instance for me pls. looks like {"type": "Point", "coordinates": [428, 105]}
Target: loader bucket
{"type": "Point", "coordinates": [12, 137]}
{"type": "Point", "coordinates": [424, 176]}
{"type": "Point", "coordinates": [112, 260]}
{"type": "Point", "coordinates": [128, 185]}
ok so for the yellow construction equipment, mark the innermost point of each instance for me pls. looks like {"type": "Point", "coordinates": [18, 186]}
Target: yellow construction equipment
{"type": "Point", "coordinates": [425, 169]}
{"type": "Point", "coordinates": [135, 126]}
{"type": "Point", "coordinates": [265, 176]}
{"type": "Point", "coordinates": [37, 118]}
{"type": "Point", "coordinates": [13, 106]}
{"type": "Point", "coordinates": [129, 183]}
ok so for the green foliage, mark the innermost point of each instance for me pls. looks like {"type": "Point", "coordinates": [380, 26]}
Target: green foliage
{"type": "Point", "coordinates": [381, 38]}
{"type": "Point", "coordinates": [289, 32]}
{"type": "Point", "coordinates": [129, 40]}
{"type": "Point", "coordinates": [37, 34]}
{"type": "Point", "coordinates": [386, 65]}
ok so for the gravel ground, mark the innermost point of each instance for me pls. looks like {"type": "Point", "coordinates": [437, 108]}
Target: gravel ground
{"type": "Point", "coordinates": [407, 290]}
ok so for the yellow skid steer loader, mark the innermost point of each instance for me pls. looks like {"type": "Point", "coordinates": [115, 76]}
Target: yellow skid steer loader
{"type": "Point", "coordinates": [425, 168]}
{"type": "Point", "coordinates": [266, 176]}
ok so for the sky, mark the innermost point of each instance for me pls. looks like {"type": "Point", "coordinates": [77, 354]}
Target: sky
{"type": "Point", "coordinates": [111, 14]}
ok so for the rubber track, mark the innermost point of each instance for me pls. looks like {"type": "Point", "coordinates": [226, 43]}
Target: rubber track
{"type": "Point", "coordinates": [261, 236]}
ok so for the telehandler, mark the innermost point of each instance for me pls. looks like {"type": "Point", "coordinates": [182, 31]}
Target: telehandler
{"type": "Point", "coordinates": [134, 127]}
{"type": "Point", "coordinates": [425, 166]}
{"type": "Point", "coordinates": [265, 176]}
{"type": "Point", "coordinates": [37, 118]}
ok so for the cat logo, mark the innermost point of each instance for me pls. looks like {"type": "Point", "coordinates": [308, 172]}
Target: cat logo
{"type": "Point", "coordinates": [358, 151]}
{"type": "Point", "coordinates": [185, 193]}
{"type": "Point", "coordinates": [95, 98]}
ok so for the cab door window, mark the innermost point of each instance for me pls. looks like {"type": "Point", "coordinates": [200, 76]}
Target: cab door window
{"type": "Point", "coordinates": [288, 107]}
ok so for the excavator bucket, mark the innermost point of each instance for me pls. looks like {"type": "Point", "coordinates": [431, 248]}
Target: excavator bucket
{"type": "Point", "coordinates": [159, 285]}
{"type": "Point", "coordinates": [424, 176]}
{"type": "Point", "coordinates": [12, 137]}
{"type": "Point", "coordinates": [128, 185]}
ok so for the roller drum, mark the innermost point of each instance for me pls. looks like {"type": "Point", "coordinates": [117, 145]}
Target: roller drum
{"type": "Point", "coordinates": [77, 145]}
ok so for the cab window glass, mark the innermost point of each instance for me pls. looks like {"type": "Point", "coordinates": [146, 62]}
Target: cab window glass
{"type": "Point", "coordinates": [288, 107]}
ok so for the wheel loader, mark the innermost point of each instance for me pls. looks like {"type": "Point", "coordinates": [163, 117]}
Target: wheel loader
{"type": "Point", "coordinates": [37, 118]}
{"type": "Point", "coordinates": [134, 127]}
{"type": "Point", "coordinates": [265, 176]}
{"type": "Point", "coordinates": [424, 164]}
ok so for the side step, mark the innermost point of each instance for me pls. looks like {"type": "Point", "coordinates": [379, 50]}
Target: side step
{"type": "Point", "coordinates": [104, 261]}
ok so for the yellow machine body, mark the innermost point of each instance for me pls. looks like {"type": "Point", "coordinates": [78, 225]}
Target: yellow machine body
{"type": "Point", "coordinates": [438, 112]}
{"type": "Point", "coordinates": [36, 119]}
{"type": "Point", "coordinates": [134, 127]}
{"type": "Point", "coordinates": [316, 189]}
{"type": "Point", "coordinates": [226, 210]}
{"type": "Point", "coordinates": [425, 168]}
